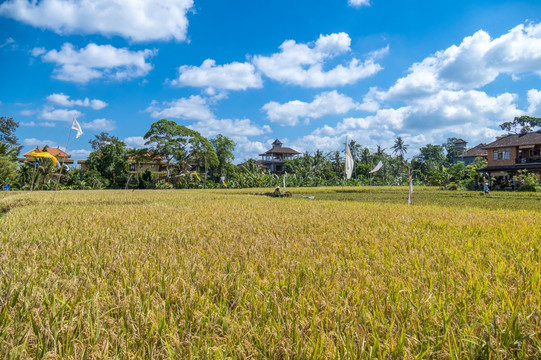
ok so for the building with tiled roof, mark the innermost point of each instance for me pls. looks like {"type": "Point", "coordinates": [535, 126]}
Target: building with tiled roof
{"type": "Point", "coordinates": [469, 156]}
{"type": "Point", "coordinates": [61, 156]}
{"type": "Point", "coordinates": [273, 159]}
{"type": "Point", "coordinates": [509, 154]}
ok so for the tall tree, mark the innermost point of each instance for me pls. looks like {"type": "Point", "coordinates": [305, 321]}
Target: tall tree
{"type": "Point", "coordinates": [9, 150]}
{"type": "Point", "coordinates": [224, 147]}
{"type": "Point", "coordinates": [169, 139]}
{"type": "Point", "coordinates": [521, 124]}
{"type": "Point", "coordinates": [7, 131]}
{"type": "Point", "coordinates": [109, 158]}
{"type": "Point", "coordinates": [202, 152]}
{"type": "Point", "coordinates": [400, 148]}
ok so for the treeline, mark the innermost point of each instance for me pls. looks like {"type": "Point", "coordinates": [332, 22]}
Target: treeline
{"type": "Point", "coordinates": [190, 160]}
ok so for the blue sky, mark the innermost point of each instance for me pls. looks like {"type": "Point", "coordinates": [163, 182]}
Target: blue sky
{"type": "Point", "coordinates": [309, 73]}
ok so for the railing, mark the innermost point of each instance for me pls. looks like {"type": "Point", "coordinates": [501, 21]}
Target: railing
{"type": "Point", "coordinates": [528, 160]}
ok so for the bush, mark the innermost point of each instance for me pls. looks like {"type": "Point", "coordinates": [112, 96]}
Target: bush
{"type": "Point", "coordinates": [526, 181]}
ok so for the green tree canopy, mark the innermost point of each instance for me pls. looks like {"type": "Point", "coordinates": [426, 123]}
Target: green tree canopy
{"type": "Point", "coordinates": [109, 158]}
{"type": "Point", "coordinates": [7, 131]}
{"type": "Point", "coordinates": [521, 124]}
{"type": "Point", "coordinates": [169, 140]}
{"type": "Point", "coordinates": [224, 147]}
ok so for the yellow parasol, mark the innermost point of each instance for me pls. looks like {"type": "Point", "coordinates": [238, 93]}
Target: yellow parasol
{"type": "Point", "coordinates": [44, 154]}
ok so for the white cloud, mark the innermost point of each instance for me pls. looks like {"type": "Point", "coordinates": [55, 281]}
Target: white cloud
{"type": "Point", "coordinates": [27, 112]}
{"type": "Point", "coordinates": [37, 142]}
{"type": "Point", "coordinates": [59, 114]}
{"type": "Point", "coordinates": [442, 96]}
{"type": "Point", "coordinates": [193, 108]}
{"type": "Point", "coordinates": [534, 99]}
{"type": "Point", "coordinates": [247, 149]}
{"type": "Point", "coordinates": [79, 153]}
{"type": "Point", "coordinates": [197, 108]}
{"type": "Point", "coordinates": [359, 3]}
{"type": "Point", "coordinates": [64, 100]}
{"type": "Point", "coordinates": [302, 64]}
{"type": "Point", "coordinates": [472, 115]}
{"type": "Point", "coordinates": [98, 61]}
{"type": "Point", "coordinates": [99, 125]}
{"type": "Point", "coordinates": [476, 62]}
{"type": "Point", "coordinates": [230, 127]}
{"type": "Point", "coordinates": [234, 76]}
{"type": "Point", "coordinates": [142, 20]}
{"type": "Point", "coordinates": [38, 51]}
{"type": "Point", "coordinates": [28, 124]}
{"type": "Point", "coordinates": [326, 103]}
{"type": "Point", "coordinates": [135, 141]}
{"type": "Point", "coordinates": [9, 41]}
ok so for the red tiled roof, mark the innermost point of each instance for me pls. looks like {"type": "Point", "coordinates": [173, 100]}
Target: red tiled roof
{"type": "Point", "coordinates": [56, 152]}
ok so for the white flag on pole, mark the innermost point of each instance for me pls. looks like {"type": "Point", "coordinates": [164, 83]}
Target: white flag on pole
{"type": "Point", "coordinates": [349, 163]}
{"type": "Point", "coordinates": [75, 126]}
{"type": "Point", "coordinates": [378, 166]}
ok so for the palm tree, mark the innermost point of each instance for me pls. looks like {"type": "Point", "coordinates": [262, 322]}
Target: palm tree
{"type": "Point", "coordinates": [400, 148]}
{"type": "Point", "coordinates": [355, 149]}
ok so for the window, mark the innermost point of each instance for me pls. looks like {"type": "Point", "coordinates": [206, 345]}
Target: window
{"type": "Point", "coordinates": [132, 167]}
{"type": "Point", "coordinates": [501, 154]}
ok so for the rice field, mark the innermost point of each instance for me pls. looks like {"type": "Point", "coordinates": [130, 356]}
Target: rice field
{"type": "Point", "coordinates": [193, 274]}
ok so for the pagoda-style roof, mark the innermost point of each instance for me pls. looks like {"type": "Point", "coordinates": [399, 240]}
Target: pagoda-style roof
{"type": "Point", "coordinates": [277, 148]}
{"type": "Point", "coordinates": [56, 152]}
{"type": "Point", "coordinates": [531, 138]}
{"type": "Point", "coordinates": [459, 141]}
{"type": "Point", "coordinates": [281, 150]}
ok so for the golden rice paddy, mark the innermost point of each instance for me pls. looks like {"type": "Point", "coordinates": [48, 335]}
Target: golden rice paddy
{"type": "Point", "coordinates": [180, 274]}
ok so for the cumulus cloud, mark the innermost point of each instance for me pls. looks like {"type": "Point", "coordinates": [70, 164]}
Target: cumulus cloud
{"type": "Point", "coordinates": [38, 142]}
{"type": "Point", "coordinates": [534, 99]}
{"type": "Point", "coordinates": [359, 3]}
{"type": "Point", "coordinates": [302, 64]}
{"type": "Point", "coordinates": [432, 120]}
{"type": "Point", "coordinates": [234, 76]}
{"type": "Point", "coordinates": [135, 141]}
{"type": "Point", "coordinates": [193, 108]}
{"type": "Point", "coordinates": [59, 114]}
{"type": "Point", "coordinates": [197, 108]}
{"type": "Point", "coordinates": [442, 96]}
{"type": "Point", "coordinates": [476, 62]}
{"type": "Point", "coordinates": [79, 153]}
{"type": "Point", "coordinates": [64, 100]}
{"type": "Point", "coordinates": [230, 127]}
{"type": "Point", "coordinates": [247, 149]}
{"type": "Point", "coordinates": [99, 125]}
{"type": "Point", "coordinates": [98, 61]}
{"type": "Point", "coordinates": [326, 103]}
{"type": "Point", "coordinates": [142, 20]}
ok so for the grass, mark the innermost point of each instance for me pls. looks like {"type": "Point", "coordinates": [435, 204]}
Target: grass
{"type": "Point", "coordinates": [196, 274]}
